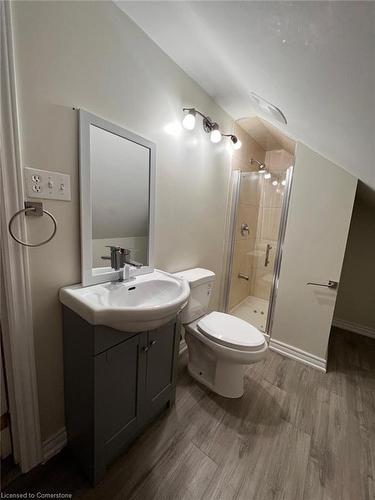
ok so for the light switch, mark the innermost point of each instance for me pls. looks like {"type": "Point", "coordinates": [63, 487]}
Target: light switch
{"type": "Point", "coordinates": [46, 184]}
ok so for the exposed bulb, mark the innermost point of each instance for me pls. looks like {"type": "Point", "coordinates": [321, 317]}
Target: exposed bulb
{"type": "Point", "coordinates": [267, 175]}
{"type": "Point", "coordinates": [283, 182]}
{"type": "Point", "coordinates": [236, 143]}
{"type": "Point", "coordinates": [215, 134]}
{"type": "Point", "coordinates": [189, 120]}
{"type": "Point", "coordinates": [274, 183]}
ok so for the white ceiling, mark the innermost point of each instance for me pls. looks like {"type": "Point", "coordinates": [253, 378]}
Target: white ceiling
{"type": "Point", "coordinates": [315, 60]}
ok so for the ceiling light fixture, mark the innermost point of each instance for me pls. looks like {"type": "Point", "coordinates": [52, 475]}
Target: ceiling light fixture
{"type": "Point", "coordinates": [268, 108]}
{"type": "Point", "coordinates": [209, 126]}
{"type": "Point", "coordinates": [283, 182]}
{"type": "Point", "coordinates": [275, 183]}
{"type": "Point", "coordinates": [267, 175]}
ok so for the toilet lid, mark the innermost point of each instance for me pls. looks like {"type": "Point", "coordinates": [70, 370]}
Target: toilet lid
{"type": "Point", "coordinates": [230, 331]}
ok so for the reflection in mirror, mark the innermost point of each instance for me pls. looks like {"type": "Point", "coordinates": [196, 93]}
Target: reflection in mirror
{"type": "Point", "coordinates": [117, 187]}
{"type": "Point", "coordinates": [120, 180]}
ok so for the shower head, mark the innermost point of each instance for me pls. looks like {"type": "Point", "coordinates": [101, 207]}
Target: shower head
{"type": "Point", "coordinates": [261, 166]}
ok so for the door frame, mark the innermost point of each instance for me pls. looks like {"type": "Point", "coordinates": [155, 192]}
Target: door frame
{"type": "Point", "coordinates": [17, 324]}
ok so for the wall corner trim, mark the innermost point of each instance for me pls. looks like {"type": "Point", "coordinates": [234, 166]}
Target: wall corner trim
{"type": "Point", "coordinates": [54, 444]}
{"type": "Point", "coordinates": [299, 355]}
{"type": "Point", "coordinates": [367, 331]}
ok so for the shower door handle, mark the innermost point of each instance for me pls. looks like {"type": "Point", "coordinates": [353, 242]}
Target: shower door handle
{"type": "Point", "coordinates": [330, 284]}
{"type": "Point", "coordinates": [267, 259]}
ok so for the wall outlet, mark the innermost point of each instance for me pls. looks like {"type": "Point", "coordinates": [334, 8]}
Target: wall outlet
{"type": "Point", "coordinates": [45, 184]}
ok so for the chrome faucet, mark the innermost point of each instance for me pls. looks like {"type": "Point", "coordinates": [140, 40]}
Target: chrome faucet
{"type": "Point", "coordinates": [120, 257]}
{"type": "Point", "coordinates": [117, 257]}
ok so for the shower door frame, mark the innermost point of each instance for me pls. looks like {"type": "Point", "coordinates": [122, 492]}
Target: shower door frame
{"type": "Point", "coordinates": [235, 195]}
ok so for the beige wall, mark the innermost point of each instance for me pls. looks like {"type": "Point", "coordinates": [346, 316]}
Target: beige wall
{"type": "Point", "coordinates": [250, 149]}
{"type": "Point", "coordinates": [356, 296]}
{"type": "Point", "coordinates": [90, 55]}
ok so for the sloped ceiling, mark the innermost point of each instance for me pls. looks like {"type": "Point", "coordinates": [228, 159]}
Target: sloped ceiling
{"type": "Point", "coordinates": [315, 60]}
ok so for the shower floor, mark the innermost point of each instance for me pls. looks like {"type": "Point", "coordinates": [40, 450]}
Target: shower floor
{"type": "Point", "coordinates": [253, 310]}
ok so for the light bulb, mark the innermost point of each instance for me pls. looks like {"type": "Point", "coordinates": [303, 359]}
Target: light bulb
{"type": "Point", "coordinates": [215, 134]}
{"type": "Point", "coordinates": [236, 143]}
{"type": "Point", "coordinates": [189, 120]}
{"type": "Point", "coordinates": [283, 182]}
{"type": "Point", "coordinates": [274, 183]}
{"type": "Point", "coordinates": [267, 175]}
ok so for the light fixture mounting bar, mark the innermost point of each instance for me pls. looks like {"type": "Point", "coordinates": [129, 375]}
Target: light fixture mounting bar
{"type": "Point", "coordinates": [211, 127]}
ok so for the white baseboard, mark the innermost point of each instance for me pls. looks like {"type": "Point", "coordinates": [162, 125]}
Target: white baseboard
{"type": "Point", "coordinates": [299, 355]}
{"type": "Point", "coordinates": [354, 327]}
{"type": "Point", "coordinates": [53, 445]}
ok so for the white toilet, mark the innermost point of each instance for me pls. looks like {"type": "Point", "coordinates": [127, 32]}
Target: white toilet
{"type": "Point", "coordinates": [219, 345]}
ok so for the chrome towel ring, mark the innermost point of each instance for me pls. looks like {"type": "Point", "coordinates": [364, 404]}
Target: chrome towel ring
{"type": "Point", "coordinates": [35, 209]}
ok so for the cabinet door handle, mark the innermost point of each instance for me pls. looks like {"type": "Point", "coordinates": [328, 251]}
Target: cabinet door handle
{"type": "Point", "coordinates": [145, 348]}
{"type": "Point", "coordinates": [153, 342]}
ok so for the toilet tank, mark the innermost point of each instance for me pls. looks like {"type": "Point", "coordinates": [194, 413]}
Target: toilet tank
{"type": "Point", "coordinates": [201, 283]}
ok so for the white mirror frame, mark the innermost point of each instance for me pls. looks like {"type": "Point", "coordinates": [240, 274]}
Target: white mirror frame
{"type": "Point", "coordinates": [89, 276]}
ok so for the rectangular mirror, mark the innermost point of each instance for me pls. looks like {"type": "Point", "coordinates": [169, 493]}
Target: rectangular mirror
{"type": "Point", "coordinates": [117, 176]}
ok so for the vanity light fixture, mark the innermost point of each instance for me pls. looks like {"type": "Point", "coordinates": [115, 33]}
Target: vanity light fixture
{"type": "Point", "coordinates": [209, 126]}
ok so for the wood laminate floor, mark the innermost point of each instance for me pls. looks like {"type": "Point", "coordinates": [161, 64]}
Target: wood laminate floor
{"type": "Point", "coordinates": [296, 434]}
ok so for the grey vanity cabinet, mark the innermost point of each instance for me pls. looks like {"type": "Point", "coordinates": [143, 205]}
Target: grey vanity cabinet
{"type": "Point", "coordinates": [161, 362]}
{"type": "Point", "coordinates": [115, 384]}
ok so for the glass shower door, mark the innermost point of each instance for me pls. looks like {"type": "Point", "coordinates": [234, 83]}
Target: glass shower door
{"type": "Point", "coordinates": [258, 210]}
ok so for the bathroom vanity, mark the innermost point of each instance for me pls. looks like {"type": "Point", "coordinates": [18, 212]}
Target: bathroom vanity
{"type": "Point", "coordinates": [115, 383]}
{"type": "Point", "coordinates": [120, 324]}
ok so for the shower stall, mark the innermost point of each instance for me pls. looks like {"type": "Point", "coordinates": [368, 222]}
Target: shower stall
{"type": "Point", "coordinates": [259, 209]}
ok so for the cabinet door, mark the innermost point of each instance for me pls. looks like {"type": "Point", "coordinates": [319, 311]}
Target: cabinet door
{"type": "Point", "coordinates": [161, 357]}
{"type": "Point", "coordinates": [116, 397]}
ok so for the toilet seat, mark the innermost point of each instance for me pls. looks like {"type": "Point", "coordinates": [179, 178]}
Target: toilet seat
{"type": "Point", "coordinates": [231, 332]}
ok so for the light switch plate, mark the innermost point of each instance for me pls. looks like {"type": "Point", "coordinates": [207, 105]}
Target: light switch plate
{"type": "Point", "coordinates": [45, 184]}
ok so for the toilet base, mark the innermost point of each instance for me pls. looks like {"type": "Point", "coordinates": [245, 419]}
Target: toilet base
{"type": "Point", "coordinates": [219, 368]}
{"type": "Point", "coordinates": [228, 380]}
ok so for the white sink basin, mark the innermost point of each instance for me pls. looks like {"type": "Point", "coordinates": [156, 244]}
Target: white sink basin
{"type": "Point", "coordinates": [144, 303]}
